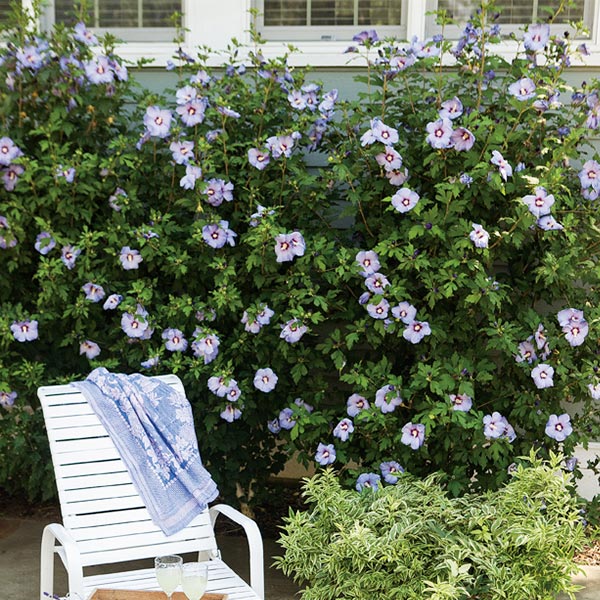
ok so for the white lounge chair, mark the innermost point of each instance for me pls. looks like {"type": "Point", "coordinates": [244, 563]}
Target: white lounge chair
{"type": "Point", "coordinates": [104, 518]}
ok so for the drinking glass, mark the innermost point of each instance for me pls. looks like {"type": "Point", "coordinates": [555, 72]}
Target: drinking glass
{"type": "Point", "coordinates": [194, 580]}
{"type": "Point", "coordinates": [168, 572]}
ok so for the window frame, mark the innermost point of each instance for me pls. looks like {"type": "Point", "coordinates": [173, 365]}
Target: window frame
{"type": "Point", "coordinates": [210, 27]}
{"type": "Point", "coordinates": [316, 33]}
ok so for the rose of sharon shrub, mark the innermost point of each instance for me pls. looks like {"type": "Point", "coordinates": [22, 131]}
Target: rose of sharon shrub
{"type": "Point", "coordinates": [423, 301]}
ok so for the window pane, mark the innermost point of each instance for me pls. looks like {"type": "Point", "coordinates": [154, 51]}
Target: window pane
{"type": "Point", "coordinates": [4, 10]}
{"type": "Point", "coordinates": [285, 12]}
{"type": "Point", "coordinates": [333, 13]}
{"type": "Point", "coordinates": [379, 12]}
{"type": "Point", "coordinates": [515, 11]}
{"type": "Point", "coordinates": [121, 13]}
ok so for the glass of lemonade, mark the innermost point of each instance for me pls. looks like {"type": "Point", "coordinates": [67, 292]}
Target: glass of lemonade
{"type": "Point", "coordinates": [168, 572]}
{"type": "Point", "coordinates": [194, 579]}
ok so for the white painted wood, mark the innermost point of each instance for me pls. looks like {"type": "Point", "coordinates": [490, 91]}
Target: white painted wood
{"type": "Point", "coordinates": [105, 520]}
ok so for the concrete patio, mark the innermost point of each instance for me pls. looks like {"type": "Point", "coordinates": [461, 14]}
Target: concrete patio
{"type": "Point", "coordinates": [20, 548]}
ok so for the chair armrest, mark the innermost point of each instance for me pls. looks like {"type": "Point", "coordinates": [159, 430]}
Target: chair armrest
{"type": "Point", "coordinates": [67, 549]}
{"type": "Point", "coordinates": [255, 544]}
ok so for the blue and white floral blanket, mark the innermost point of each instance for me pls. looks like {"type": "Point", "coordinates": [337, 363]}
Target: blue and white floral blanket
{"type": "Point", "coordinates": [152, 427]}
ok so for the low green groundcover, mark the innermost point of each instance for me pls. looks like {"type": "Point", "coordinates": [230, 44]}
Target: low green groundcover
{"type": "Point", "coordinates": [412, 541]}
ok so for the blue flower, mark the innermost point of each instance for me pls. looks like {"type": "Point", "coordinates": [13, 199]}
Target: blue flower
{"type": "Point", "coordinates": [175, 341]}
{"type": "Point", "coordinates": [44, 243]}
{"type": "Point", "coordinates": [218, 190]}
{"type": "Point", "coordinates": [292, 331]}
{"type": "Point", "coordinates": [183, 151]}
{"type": "Point", "coordinates": [217, 235]}
{"type": "Point", "coordinates": [376, 283]}
{"type": "Point", "coordinates": [355, 404]}
{"type": "Point", "coordinates": [274, 426]}
{"type": "Point", "coordinates": [379, 132]}
{"type": "Point", "coordinates": [192, 112]}
{"type": "Point", "coordinates": [281, 145]}
{"type": "Point", "coordinates": [368, 481]}
{"type": "Point", "coordinates": [136, 325]}
{"type": "Point", "coordinates": [90, 349]}
{"type": "Point", "coordinates": [286, 419]}
{"type": "Point", "coordinates": [112, 302]}
{"type": "Point", "coordinates": [205, 345]}
{"type": "Point", "coordinates": [451, 109]}
{"type": "Point", "coordinates": [526, 352]}
{"type": "Point", "coordinates": [559, 427]}
{"type": "Point", "coordinates": [25, 331]}
{"type": "Point", "coordinates": [82, 34]}
{"type": "Point", "coordinates": [93, 292]}
{"type": "Point", "coordinates": [387, 399]}
{"type": "Point", "coordinates": [265, 380]}
{"type": "Point", "coordinates": [575, 333]}
{"type": "Point", "coordinates": [389, 159]}
{"type": "Point", "coordinates": [416, 331]}
{"type": "Point", "coordinates": [539, 204]}
{"type": "Point", "coordinates": [479, 236]}
{"type": "Point", "coordinates": [369, 261]}
{"type": "Point", "coordinates": [413, 435]}
{"type": "Point", "coordinates": [379, 310]}
{"type": "Point", "coordinates": [98, 70]}
{"type": "Point", "coordinates": [495, 425]}
{"type": "Point", "coordinates": [503, 166]}
{"type": "Point", "coordinates": [157, 121]}
{"type": "Point", "coordinates": [7, 398]}
{"type": "Point", "coordinates": [192, 174]}
{"type": "Point", "coordinates": [522, 90]}
{"type": "Point", "coordinates": [130, 259]}
{"type": "Point", "coordinates": [589, 176]}
{"type": "Point", "coordinates": [288, 246]}
{"type": "Point", "coordinates": [391, 470]}
{"type": "Point", "coordinates": [219, 385]}
{"type": "Point", "coordinates": [8, 151]}
{"type": "Point", "coordinates": [406, 312]}
{"type": "Point", "coordinates": [439, 132]}
{"type": "Point", "coordinates": [549, 223]}
{"type": "Point", "coordinates": [69, 255]}
{"type": "Point", "coordinates": [258, 158]}
{"type": "Point", "coordinates": [462, 139]}
{"type": "Point", "coordinates": [536, 36]}
{"type": "Point", "coordinates": [404, 200]}
{"type": "Point", "coordinates": [231, 413]}
{"type": "Point", "coordinates": [461, 402]}
{"type": "Point", "coordinates": [542, 376]}
{"type": "Point", "coordinates": [151, 362]}
{"type": "Point", "coordinates": [11, 175]}
{"type": "Point", "coordinates": [325, 454]}
{"type": "Point", "coordinates": [343, 429]}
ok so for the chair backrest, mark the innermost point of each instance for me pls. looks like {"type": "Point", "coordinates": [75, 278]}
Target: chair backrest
{"type": "Point", "coordinates": [99, 503]}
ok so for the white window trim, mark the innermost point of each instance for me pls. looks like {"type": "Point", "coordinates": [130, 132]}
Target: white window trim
{"type": "Point", "coordinates": [214, 24]}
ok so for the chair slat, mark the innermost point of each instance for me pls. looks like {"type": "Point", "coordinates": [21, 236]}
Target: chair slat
{"type": "Point", "coordinates": [143, 540]}
{"type": "Point", "coordinates": [198, 528]}
{"type": "Point", "coordinates": [69, 470]}
{"type": "Point", "coordinates": [99, 480]}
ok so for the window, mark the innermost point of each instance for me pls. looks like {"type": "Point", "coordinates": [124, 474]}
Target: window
{"type": "Point", "coordinates": [129, 20]}
{"type": "Point", "coordinates": [328, 19]}
{"type": "Point", "coordinates": [4, 10]}
{"type": "Point", "coordinates": [517, 13]}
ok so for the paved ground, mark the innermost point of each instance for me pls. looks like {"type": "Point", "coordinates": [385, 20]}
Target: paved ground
{"type": "Point", "coordinates": [19, 565]}
{"type": "Point", "coordinates": [20, 554]}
